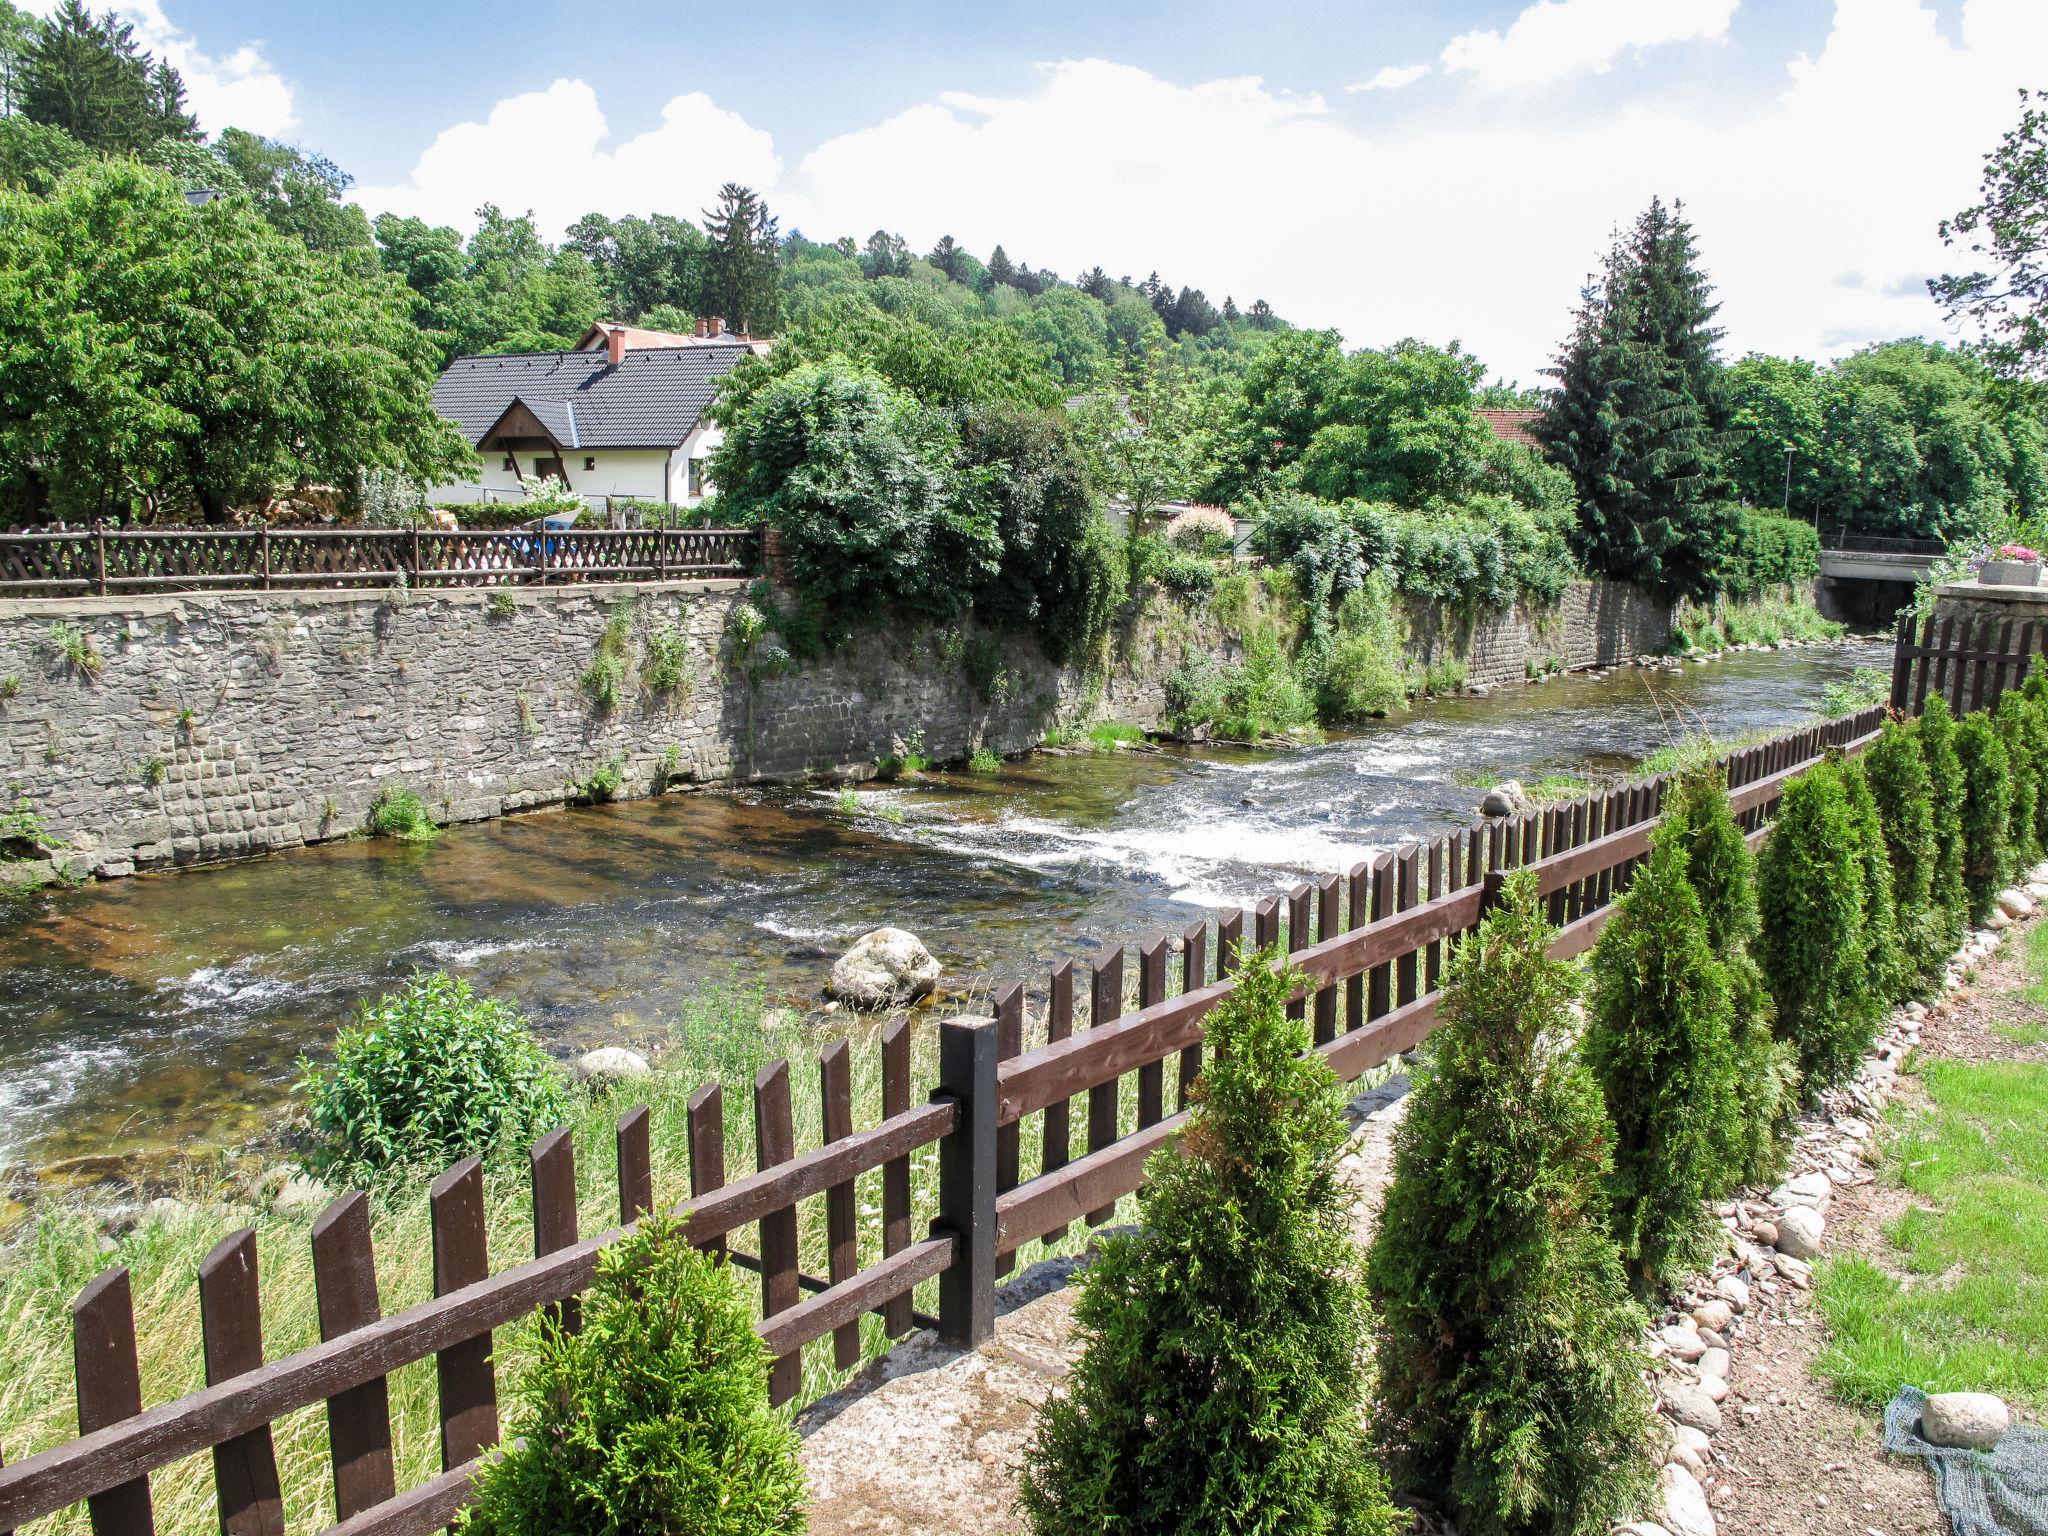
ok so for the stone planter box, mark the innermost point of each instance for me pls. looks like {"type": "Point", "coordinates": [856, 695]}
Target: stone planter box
{"type": "Point", "coordinates": [2010, 573]}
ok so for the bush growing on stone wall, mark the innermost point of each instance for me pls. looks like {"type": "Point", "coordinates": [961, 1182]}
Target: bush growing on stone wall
{"type": "Point", "coordinates": [1884, 956]}
{"type": "Point", "coordinates": [1987, 813]}
{"type": "Point", "coordinates": [1222, 1382]}
{"type": "Point", "coordinates": [1506, 1342]}
{"type": "Point", "coordinates": [425, 1076]}
{"type": "Point", "coordinates": [653, 1418]}
{"type": "Point", "coordinates": [604, 680]}
{"type": "Point", "coordinates": [401, 813]}
{"type": "Point", "coordinates": [1811, 947]}
{"type": "Point", "coordinates": [1935, 731]}
{"type": "Point", "coordinates": [1363, 671]}
{"type": "Point", "coordinates": [1660, 1040]}
{"type": "Point", "coordinates": [1896, 772]}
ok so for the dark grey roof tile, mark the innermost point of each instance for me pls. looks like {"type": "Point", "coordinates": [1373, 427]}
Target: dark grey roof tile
{"type": "Point", "coordinates": [654, 399]}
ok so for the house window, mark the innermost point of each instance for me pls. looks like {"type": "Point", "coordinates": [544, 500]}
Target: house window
{"type": "Point", "coordinates": [696, 477]}
{"type": "Point", "coordinates": [589, 461]}
{"type": "Point", "coordinates": [508, 464]}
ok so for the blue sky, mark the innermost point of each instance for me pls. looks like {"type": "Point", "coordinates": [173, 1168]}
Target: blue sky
{"type": "Point", "coordinates": [1443, 170]}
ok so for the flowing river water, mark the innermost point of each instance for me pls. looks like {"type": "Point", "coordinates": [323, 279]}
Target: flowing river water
{"type": "Point", "coordinates": [167, 1012]}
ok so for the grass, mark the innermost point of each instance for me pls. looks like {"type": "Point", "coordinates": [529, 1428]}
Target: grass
{"type": "Point", "coordinates": [1866, 686]}
{"type": "Point", "coordinates": [668, 670]}
{"type": "Point", "coordinates": [1548, 790]}
{"type": "Point", "coordinates": [984, 762]}
{"type": "Point", "coordinates": [1100, 736]}
{"type": "Point", "coordinates": [726, 1033]}
{"type": "Point", "coordinates": [1751, 621]}
{"type": "Point", "coordinates": [401, 813]}
{"type": "Point", "coordinates": [604, 680]}
{"type": "Point", "coordinates": [2032, 1031]}
{"type": "Point", "coordinates": [1967, 1309]}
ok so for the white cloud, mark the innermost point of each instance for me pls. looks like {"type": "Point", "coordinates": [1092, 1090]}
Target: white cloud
{"type": "Point", "coordinates": [1392, 77]}
{"type": "Point", "coordinates": [238, 89]}
{"type": "Point", "coordinates": [1476, 222]}
{"type": "Point", "coordinates": [1553, 38]}
{"type": "Point", "coordinates": [546, 150]}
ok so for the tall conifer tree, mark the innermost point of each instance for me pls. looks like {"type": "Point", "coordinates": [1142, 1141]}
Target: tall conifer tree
{"type": "Point", "coordinates": [744, 289]}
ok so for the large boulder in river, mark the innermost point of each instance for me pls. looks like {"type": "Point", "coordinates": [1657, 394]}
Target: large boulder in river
{"type": "Point", "coordinates": [1507, 798]}
{"type": "Point", "coordinates": [884, 969]}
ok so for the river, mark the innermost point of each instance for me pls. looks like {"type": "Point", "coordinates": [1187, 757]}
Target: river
{"type": "Point", "coordinates": [167, 1012]}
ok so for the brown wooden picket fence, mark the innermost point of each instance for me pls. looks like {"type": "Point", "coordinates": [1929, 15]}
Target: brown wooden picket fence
{"type": "Point", "coordinates": [100, 561]}
{"type": "Point", "coordinates": [1371, 944]}
{"type": "Point", "coordinates": [1967, 662]}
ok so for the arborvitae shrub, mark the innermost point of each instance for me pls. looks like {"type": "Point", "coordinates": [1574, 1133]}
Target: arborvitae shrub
{"type": "Point", "coordinates": [1810, 895]}
{"type": "Point", "coordinates": [1507, 1337]}
{"type": "Point", "coordinates": [1987, 813]}
{"type": "Point", "coordinates": [425, 1076]}
{"type": "Point", "coordinates": [1659, 1040]}
{"type": "Point", "coordinates": [1936, 730]}
{"type": "Point", "coordinates": [1896, 772]}
{"type": "Point", "coordinates": [1722, 872]}
{"type": "Point", "coordinates": [2019, 731]}
{"type": "Point", "coordinates": [1884, 958]}
{"type": "Point", "coordinates": [1221, 1386]}
{"type": "Point", "coordinates": [654, 1418]}
{"type": "Point", "coordinates": [2035, 692]}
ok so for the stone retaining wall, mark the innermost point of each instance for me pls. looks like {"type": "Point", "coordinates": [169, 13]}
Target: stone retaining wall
{"type": "Point", "coordinates": [1593, 624]}
{"type": "Point", "coordinates": [208, 727]}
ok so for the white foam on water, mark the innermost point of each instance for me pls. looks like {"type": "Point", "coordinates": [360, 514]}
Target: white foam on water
{"type": "Point", "coordinates": [784, 930]}
{"type": "Point", "coordinates": [234, 986]}
{"type": "Point", "coordinates": [471, 951]}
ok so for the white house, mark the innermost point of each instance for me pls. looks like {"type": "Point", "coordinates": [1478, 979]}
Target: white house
{"type": "Point", "coordinates": [619, 417]}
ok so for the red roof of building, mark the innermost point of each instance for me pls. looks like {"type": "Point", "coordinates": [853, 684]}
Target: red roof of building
{"type": "Point", "coordinates": [1513, 426]}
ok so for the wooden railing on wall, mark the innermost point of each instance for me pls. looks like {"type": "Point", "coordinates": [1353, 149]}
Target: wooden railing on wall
{"type": "Point", "coordinates": [1968, 662]}
{"type": "Point", "coordinates": [1372, 945]}
{"type": "Point", "coordinates": [97, 562]}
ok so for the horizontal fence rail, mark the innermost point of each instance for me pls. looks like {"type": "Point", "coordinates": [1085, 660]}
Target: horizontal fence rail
{"type": "Point", "coordinates": [99, 562]}
{"type": "Point", "coordinates": [1969, 663]}
{"type": "Point", "coordinates": [1370, 944]}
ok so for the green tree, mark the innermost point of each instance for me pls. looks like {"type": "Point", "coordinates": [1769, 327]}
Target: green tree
{"type": "Point", "coordinates": [1637, 414]}
{"type": "Point", "coordinates": [18, 30]}
{"type": "Point", "coordinates": [87, 75]}
{"type": "Point", "coordinates": [34, 156]}
{"type": "Point", "coordinates": [299, 192]}
{"type": "Point", "coordinates": [1510, 1375]}
{"type": "Point", "coordinates": [1140, 441]}
{"type": "Point", "coordinates": [652, 1418]}
{"type": "Point", "coordinates": [1987, 813]}
{"type": "Point", "coordinates": [1897, 775]}
{"type": "Point", "coordinates": [2020, 732]}
{"type": "Point", "coordinates": [2007, 297]}
{"type": "Point", "coordinates": [1884, 955]}
{"type": "Point", "coordinates": [1811, 946]}
{"type": "Point", "coordinates": [1221, 1383]}
{"type": "Point", "coordinates": [645, 264]}
{"type": "Point", "coordinates": [742, 288]}
{"type": "Point", "coordinates": [1401, 429]}
{"type": "Point", "coordinates": [154, 354]}
{"type": "Point", "coordinates": [860, 480]}
{"type": "Point", "coordinates": [1936, 733]}
{"type": "Point", "coordinates": [1660, 1040]}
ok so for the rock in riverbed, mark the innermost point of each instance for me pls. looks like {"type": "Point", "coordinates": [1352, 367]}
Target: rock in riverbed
{"type": "Point", "coordinates": [885, 969]}
{"type": "Point", "coordinates": [610, 1064]}
{"type": "Point", "coordinates": [1507, 798]}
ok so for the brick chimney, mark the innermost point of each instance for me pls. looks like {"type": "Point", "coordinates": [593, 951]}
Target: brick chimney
{"type": "Point", "coordinates": [703, 326]}
{"type": "Point", "coordinates": [615, 345]}
{"type": "Point", "coordinates": [717, 326]}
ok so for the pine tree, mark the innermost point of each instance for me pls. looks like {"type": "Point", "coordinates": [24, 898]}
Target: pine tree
{"type": "Point", "coordinates": [1220, 1386]}
{"type": "Point", "coordinates": [1510, 1376]}
{"type": "Point", "coordinates": [1000, 272]}
{"type": "Point", "coordinates": [1987, 813]}
{"type": "Point", "coordinates": [1659, 1038]}
{"type": "Point", "coordinates": [1936, 732]}
{"type": "Point", "coordinates": [1897, 774]}
{"type": "Point", "coordinates": [1722, 872]}
{"type": "Point", "coordinates": [87, 75]}
{"type": "Point", "coordinates": [1810, 897]}
{"type": "Point", "coordinates": [1230, 314]}
{"type": "Point", "coordinates": [743, 288]}
{"type": "Point", "coordinates": [1889, 975]}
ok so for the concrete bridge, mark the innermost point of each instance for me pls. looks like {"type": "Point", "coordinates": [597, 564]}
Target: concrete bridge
{"type": "Point", "coordinates": [1866, 580]}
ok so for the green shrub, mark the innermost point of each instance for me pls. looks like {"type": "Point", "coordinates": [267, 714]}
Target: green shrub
{"type": "Point", "coordinates": [2020, 732]}
{"type": "Point", "coordinates": [1867, 686]}
{"type": "Point", "coordinates": [1221, 1385]}
{"type": "Point", "coordinates": [1987, 813]}
{"type": "Point", "coordinates": [72, 646]}
{"type": "Point", "coordinates": [1936, 732]}
{"type": "Point", "coordinates": [1810, 897]}
{"type": "Point", "coordinates": [424, 1076]}
{"type": "Point", "coordinates": [984, 761]}
{"type": "Point", "coordinates": [604, 680]}
{"type": "Point", "coordinates": [1890, 978]}
{"type": "Point", "coordinates": [501, 605]}
{"type": "Point", "coordinates": [668, 669]}
{"type": "Point", "coordinates": [1896, 772]}
{"type": "Point", "coordinates": [1767, 554]}
{"type": "Point", "coordinates": [1261, 696]}
{"type": "Point", "coordinates": [1660, 1040]}
{"type": "Point", "coordinates": [653, 1418]}
{"type": "Point", "coordinates": [1506, 1343]}
{"type": "Point", "coordinates": [401, 813]}
{"type": "Point", "coordinates": [2035, 692]}
{"type": "Point", "coordinates": [1194, 694]}
{"type": "Point", "coordinates": [1363, 669]}
{"type": "Point", "coordinates": [605, 781]}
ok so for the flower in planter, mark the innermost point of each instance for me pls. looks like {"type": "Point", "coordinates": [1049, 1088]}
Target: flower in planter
{"type": "Point", "coordinates": [2018, 552]}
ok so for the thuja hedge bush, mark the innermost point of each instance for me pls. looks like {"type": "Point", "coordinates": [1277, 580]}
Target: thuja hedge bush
{"type": "Point", "coordinates": [1221, 1384]}
{"type": "Point", "coordinates": [1884, 958]}
{"type": "Point", "coordinates": [425, 1076]}
{"type": "Point", "coordinates": [1660, 1040]}
{"type": "Point", "coordinates": [1935, 731]}
{"type": "Point", "coordinates": [1506, 1344]}
{"type": "Point", "coordinates": [653, 1418]}
{"type": "Point", "coordinates": [1987, 813]}
{"type": "Point", "coordinates": [2023, 732]}
{"type": "Point", "coordinates": [1896, 771]}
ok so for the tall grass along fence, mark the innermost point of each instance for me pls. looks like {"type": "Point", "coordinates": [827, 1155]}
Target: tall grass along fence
{"type": "Point", "coordinates": [100, 561]}
{"type": "Point", "coordinates": [1371, 945]}
{"type": "Point", "coordinates": [1969, 662]}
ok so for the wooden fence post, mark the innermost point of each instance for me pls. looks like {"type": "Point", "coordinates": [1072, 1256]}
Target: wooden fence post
{"type": "Point", "coordinates": [835, 1098]}
{"type": "Point", "coordinates": [551, 1169]}
{"type": "Point", "coordinates": [469, 1396]}
{"type": "Point", "coordinates": [636, 1165]}
{"type": "Point", "coordinates": [359, 1419]}
{"type": "Point", "coordinates": [263, 552]}
{"type": "Point", "coordinates": [109, 1390]}
{"type": "Point", "coordinates": [896, 1318]}
{"type": "Point", "coordinates": [775, 1143]}
{"type": "Point", "coordinates": [1106, 1006]}
{"type": "Point", "coordinates": [231, 1334]}
{"type": "Point", "coordinates": [99, 559]}
{"type": "Point", "coordinates": [967, 1182]}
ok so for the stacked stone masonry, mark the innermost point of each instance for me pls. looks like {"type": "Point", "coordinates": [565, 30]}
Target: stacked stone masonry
{"type": "Point", "coordinates": [218, 726]}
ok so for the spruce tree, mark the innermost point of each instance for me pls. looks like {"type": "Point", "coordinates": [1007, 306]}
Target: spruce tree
{"type": "Point", "coordinates": [87, 75]}
{"type": "Point", "coordinates": [1810, 896]}
{"type": "Point", "coordinates": [1987, 813]}
{"type": "Point", "coordinates": [1935, 731]}
{"type": "Point", "coordinates": [1510, 1374]}
{"type": "Point", "coordinates": [1897, 775]}
{"type": "Point", "coordinates": [1221, 1384]}
{"type": "Point", "coordinates": [743, 289]}
{"type": "Point", "coordinates": [1659, 1038]}
{"type": "Point", "coordinates": [1884, 957]}
{"type": "Point", "coordinates": [1722, 872]}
